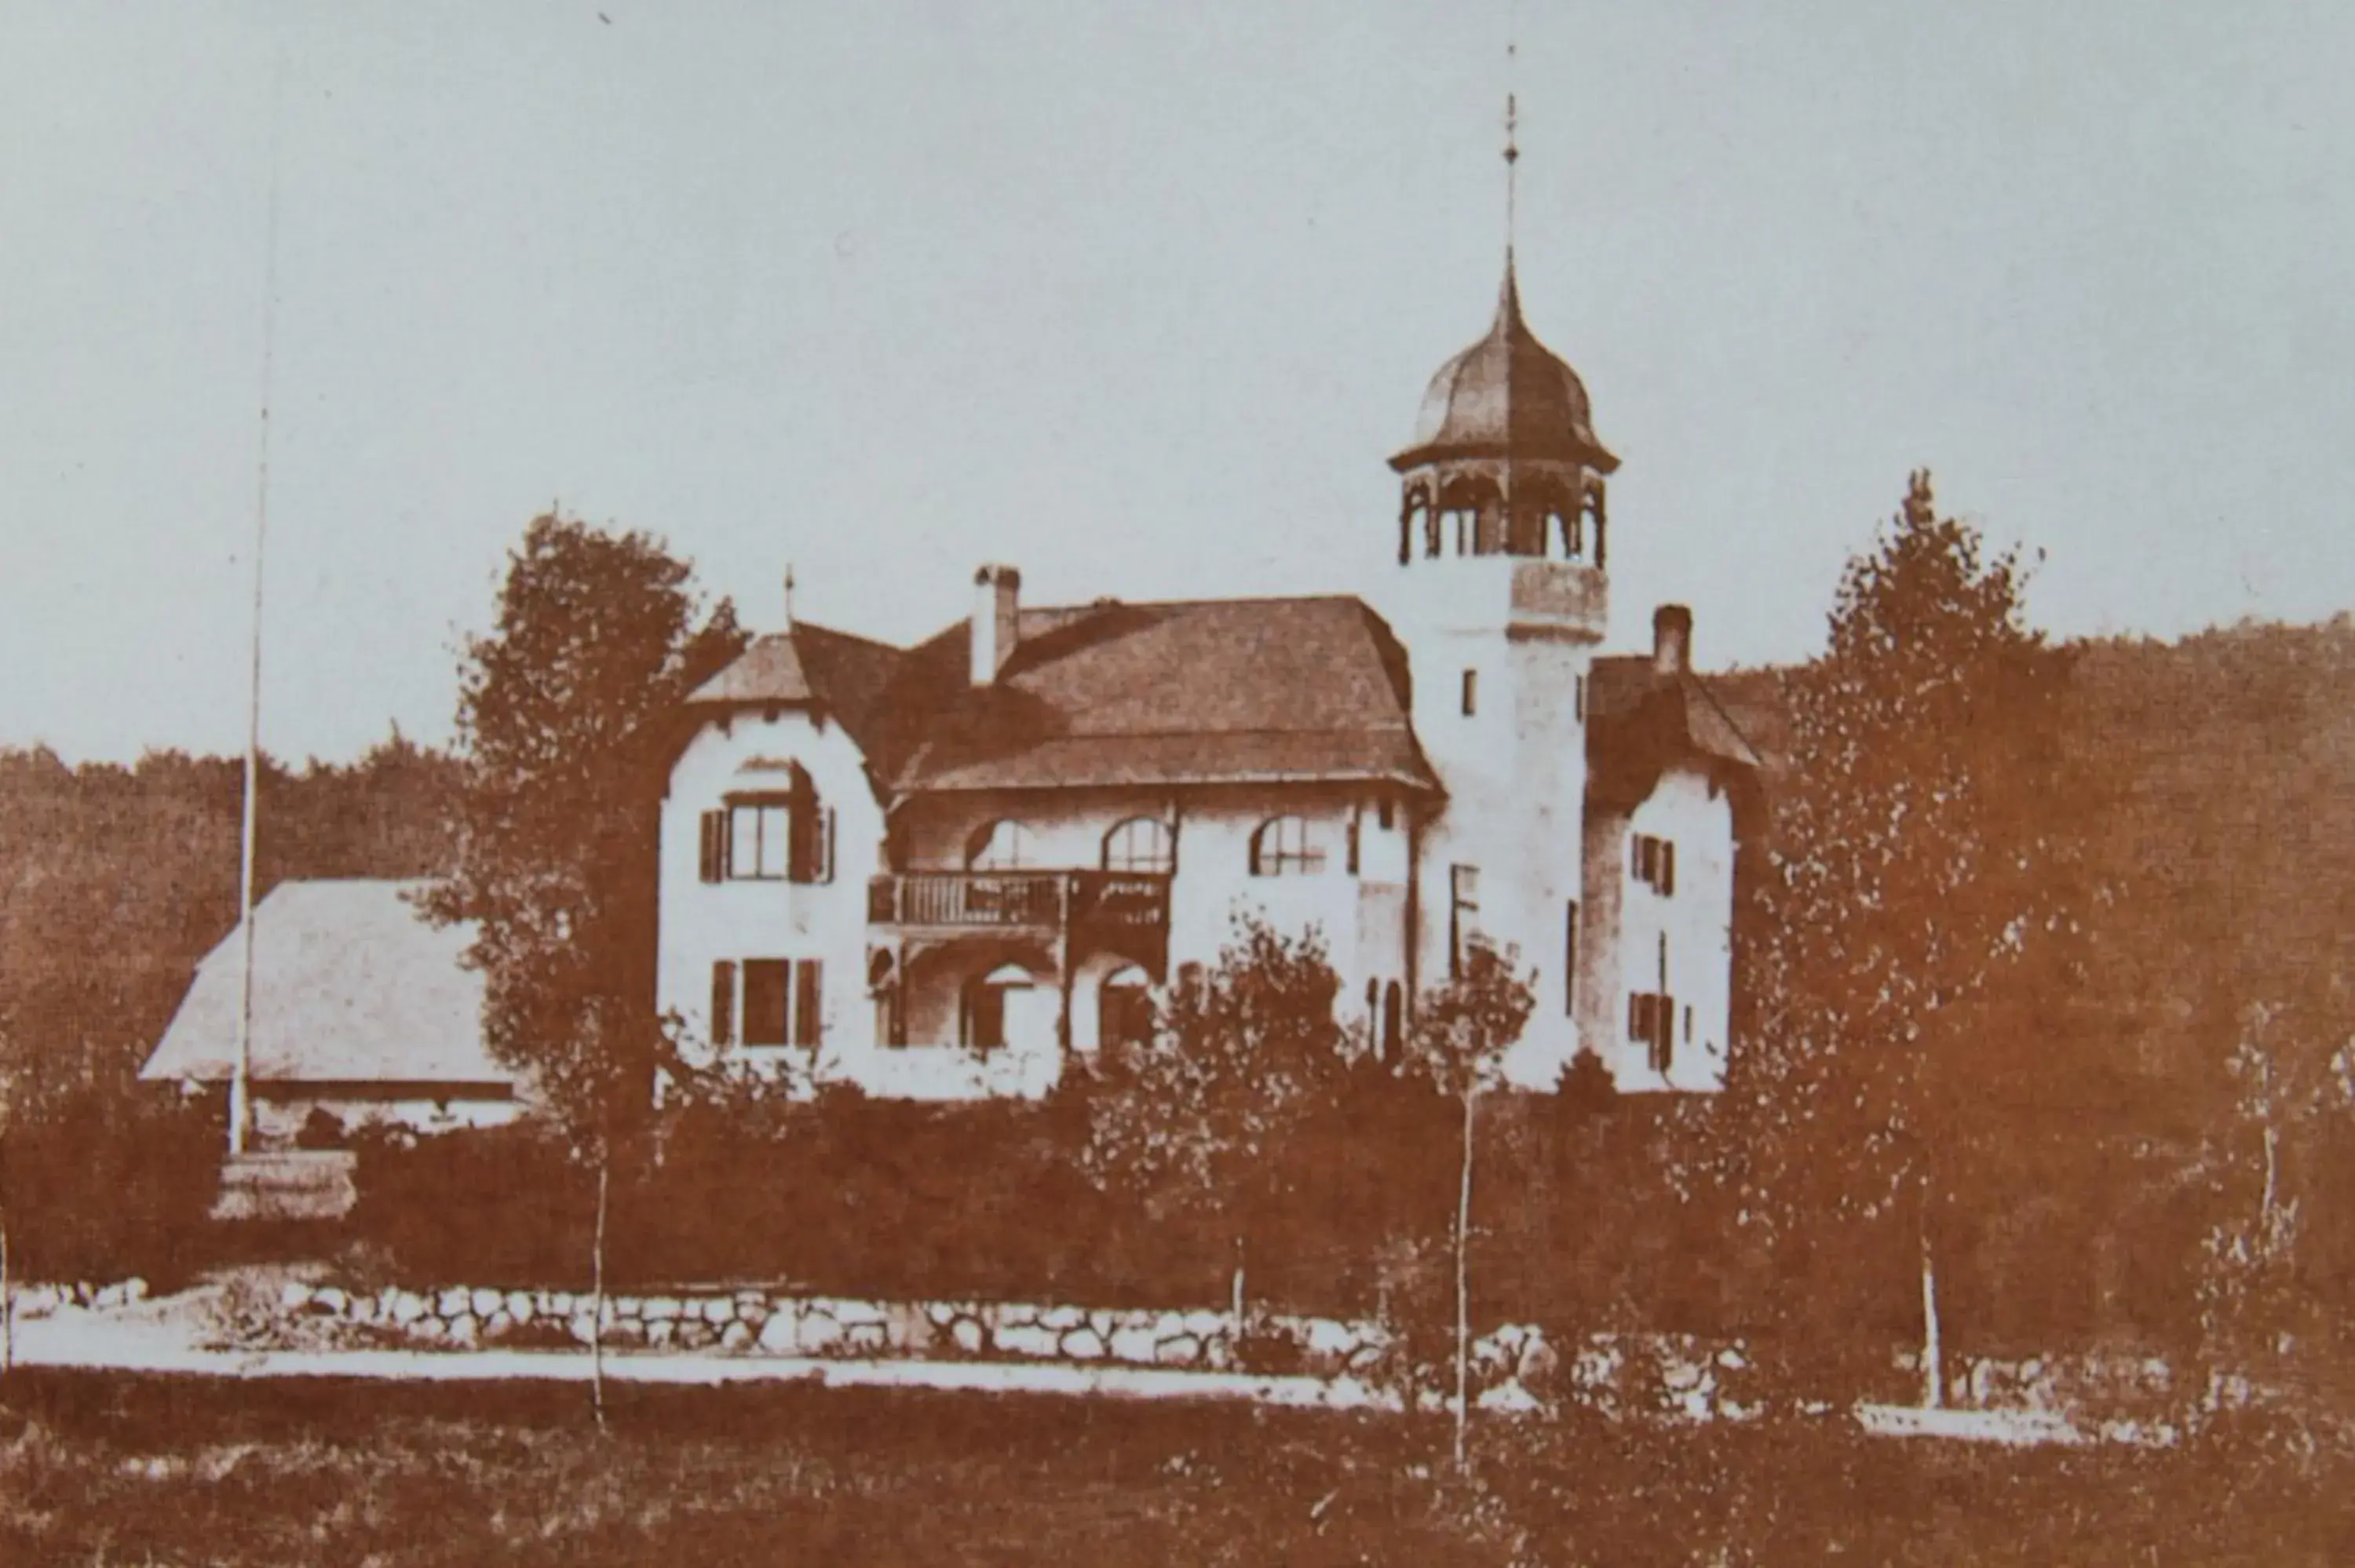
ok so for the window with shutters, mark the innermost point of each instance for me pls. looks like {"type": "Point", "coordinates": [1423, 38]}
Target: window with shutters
{"type": "Point", "coordinates": [1651, 1023]}
{"type": "Point", "coordinates": [758, 846]}
{"type": "Point", "coordinates": [1653, 860]}
{"type": "Point", "coordinates": [781, 1002]}
{"type": "Point", "coordinates": [771, 837]}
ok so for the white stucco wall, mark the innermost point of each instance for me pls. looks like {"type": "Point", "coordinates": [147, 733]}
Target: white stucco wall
{"type": "Point", "coordinates": [1686, 808]}
{"type": "Point", "coordinates": [1515, 773]}
{"type": "Point", "coordinates": [704, 923]}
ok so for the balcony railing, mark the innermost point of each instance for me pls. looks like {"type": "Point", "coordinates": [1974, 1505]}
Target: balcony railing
{"type": "Point", "coordinates": [1035, 899]}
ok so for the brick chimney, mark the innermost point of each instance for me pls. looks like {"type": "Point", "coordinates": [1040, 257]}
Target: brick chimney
{"type": "Point", "coordinates": [996, 608]}
{"type": "Point", "coordinates": [1672, 640]}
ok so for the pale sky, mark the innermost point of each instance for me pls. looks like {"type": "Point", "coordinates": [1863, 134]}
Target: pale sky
{"type": "Point", "coordinates": [1138, 298]}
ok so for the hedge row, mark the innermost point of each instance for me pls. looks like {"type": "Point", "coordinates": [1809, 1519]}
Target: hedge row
{"type": "Point", "coordinates": [881, 1199]}
{"type": "Point", "coordinates": [108, 1185]}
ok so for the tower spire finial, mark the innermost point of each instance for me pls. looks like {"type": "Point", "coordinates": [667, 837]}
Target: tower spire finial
{"type": "Point", "coordinates": [1512, 132]}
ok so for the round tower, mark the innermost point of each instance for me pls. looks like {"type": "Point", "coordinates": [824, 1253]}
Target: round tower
{"type": "Point", "coordinates": [1500, 599]}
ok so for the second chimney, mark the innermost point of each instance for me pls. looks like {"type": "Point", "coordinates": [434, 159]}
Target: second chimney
{"type": "Point", "coordinates": [996, 608]}
{"type": "Point", "coordinates": [1672, 640]}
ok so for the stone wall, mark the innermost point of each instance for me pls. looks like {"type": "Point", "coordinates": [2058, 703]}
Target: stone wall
{"type": "Point", "coordinates": [1513, 1366]}
{"type": "Point", "coordinates": [756, 1322]}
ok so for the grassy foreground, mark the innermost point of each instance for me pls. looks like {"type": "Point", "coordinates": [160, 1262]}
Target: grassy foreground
{"type": "Point", "coordinates": [100, 1468]}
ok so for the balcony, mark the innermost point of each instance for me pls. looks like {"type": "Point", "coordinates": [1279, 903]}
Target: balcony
{"type": "Point", "coordinates": [1046, 901]}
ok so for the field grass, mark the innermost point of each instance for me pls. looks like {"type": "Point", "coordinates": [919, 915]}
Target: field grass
{"type": "Point", "coordinates": [106, 1469]}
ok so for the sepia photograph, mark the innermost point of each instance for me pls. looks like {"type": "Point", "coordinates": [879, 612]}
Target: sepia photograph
{"type": "Point", "coordinates": [1506, 784]}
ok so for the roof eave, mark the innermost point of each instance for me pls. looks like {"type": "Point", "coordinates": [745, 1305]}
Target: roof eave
{"type": "Point", "coordinates": [1594, 456]}
{"type": "Point", "coordinates": [905, 794]}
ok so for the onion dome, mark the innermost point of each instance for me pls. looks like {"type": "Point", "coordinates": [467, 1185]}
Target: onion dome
{"type": "Point", "coordinates": [1507, 396]}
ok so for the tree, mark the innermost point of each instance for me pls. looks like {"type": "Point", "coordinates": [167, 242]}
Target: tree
{"type": "Point", "coordinates": [1197, 1117]}
{"type": "Point", "coordinates": [1462, 1031]}
{"type": "Point", "coordinates": [567, 714]}
{"type": "Point", "coordinates": [1922, 856]}
{"type": "Point", "coordinates": [2290, 1111]}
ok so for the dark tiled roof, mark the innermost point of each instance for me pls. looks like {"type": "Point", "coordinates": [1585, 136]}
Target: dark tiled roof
{"type": "Point", "coordinates": [1220, 691]}
{"type": "Point", "coordinates": [769, 671]}
{"type": "Point", "coordinates": [850, 677]}
{"type": "Point", "coordinates": [350, 985]}
{"type": "Point", "coordinates": [1638, 719]}
{"type": "Point", "coordinates": [1223, 690]}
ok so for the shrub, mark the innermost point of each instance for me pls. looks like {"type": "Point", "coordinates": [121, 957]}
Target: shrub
{"type": "Point", "coordinates": [322, 1129]}
{"type": "Point", "coordinates": [500, 1206]}
{"type": "Point", "coordinates": [105, 1183]}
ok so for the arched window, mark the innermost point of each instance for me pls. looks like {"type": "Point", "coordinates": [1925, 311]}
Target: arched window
{"type": "Point", "coordinates": [1283, 847]}
{"type": "Point", "coordinates": [1139, 844]}
{"type": "Point", "coordinates": [1573, 537]}
{"type": "Point", "coordinates": [1002, 845]}
{"type": "Point", "coordinates": [883, 989]}
{"type": "Point", "coordinates": [1413, 519]}
{"type": "Point", "coordinates": [1462, 522]}
{"type": "Point", "coordinates": [1124, 1008]}
{"type": "Point", "coordinates": [984, 1005]}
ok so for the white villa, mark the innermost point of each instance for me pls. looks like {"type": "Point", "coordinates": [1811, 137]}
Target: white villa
{"type": "Point", "coordinates": [937, 871]}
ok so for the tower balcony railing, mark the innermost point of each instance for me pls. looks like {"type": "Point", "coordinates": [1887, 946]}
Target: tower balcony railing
{"type": "Point", "coordinates": [1036, 900]}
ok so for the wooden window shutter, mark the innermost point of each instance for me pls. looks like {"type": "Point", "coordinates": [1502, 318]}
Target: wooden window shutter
{"type": "Point", "coordinates": [802, 829]}
{"type": "Point", "coordinates": [1668, 869]}
{"type": "Point", "coordinates": [715, 845]}
{"type": "Point", "coordinates": [723, 1002]}
{"type": "Point", "coordinates": [826, 843]}
{"type": "Point", "coordinates": [1570, 956]}
{"type": "Point", "coordinates": [808, 1013]}
{"type": "Point", "coordinates": [1353, 845]}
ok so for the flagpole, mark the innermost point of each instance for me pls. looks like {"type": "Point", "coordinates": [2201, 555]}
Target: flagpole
{"type": "Point", "coordinates": [241, 1083]}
